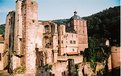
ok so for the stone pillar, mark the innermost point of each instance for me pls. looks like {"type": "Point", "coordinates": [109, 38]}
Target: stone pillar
{"type": "Point", "coordinates": [87, 69]}
{"type": "Point", "coordinates": [17, 34]}
{"type": "Point", "coordinates": [9, 41]}
{"type": "Point", "coordinates": [71, 67]}
{"type": "Point", "coordinates": [62, 46]}
{"type": "Point", "coordinates": [55, 56]}
{"type": "Point", "coordinates": [115, 58]}
{"type": "Point", "coordinates": [109, 63]}
{"type": "Point", "coordinates": [55, 42]}
{"type": "Point", "coordinates": [80, 66]}
{"type": "Point", "coordinates": [115, 53]}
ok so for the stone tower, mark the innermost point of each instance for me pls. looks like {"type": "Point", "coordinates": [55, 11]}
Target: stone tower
{"type": "Point", "coordinates": [81, 29]}
{"type": "Point", "coordinates": [17, 34]}
{"type": "Point", "coordinates": [30, 22]}
{"type": "Point", "coordinates": [9, 40]}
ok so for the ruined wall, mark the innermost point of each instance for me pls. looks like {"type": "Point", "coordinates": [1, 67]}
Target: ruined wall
{"type": "Point", "coordinates": [62, 39]}
{"type": "Point", "coordinates": [47, 43]}
{"type": "Point", "coordinates": [9, 39]}
{"type": "Point", "coordinates": [18, 34]}
{"type": "Point", "coordinates": [59, 67]}
{"type": "Point", "coordinates": [30, 22]}
{"type": "Point", "coordinates": [50, 42]}
{"type": "Point", "coordinates": [109, 63]}
{"type": "Point", "coordinates": [39, 36]}
{"type": "Point", "coordinates": [6, 41]}
{"type": "Point", "coordinates": [55, 42]}
{"type": "Point", "coordinates": [82, 35]}
{"type": "Point", "coordinates": [1, 55]}
{"type": "Point", "coordinates": [115, 57]}
{"type": "Point", "coordinates": [77, 59]}
{"type": "Point", "coordinates": [84, 69]}
{"type": "Point", "coordinates": [65, 67]}
{"type": "Point", "coordinates": [80, 68]}
{"type": "Point", "coordinates": [38, 45]}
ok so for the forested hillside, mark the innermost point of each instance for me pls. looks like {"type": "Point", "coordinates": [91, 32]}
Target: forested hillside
{"type": "Point", "coordinates": [105, 24]}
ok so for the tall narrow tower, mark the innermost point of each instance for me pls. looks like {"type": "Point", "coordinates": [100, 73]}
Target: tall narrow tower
{"type": "Point", "coordinates": [17, 34]}
{"type": "Point", "coordinates": [80, 27]}
{"type": "Point", "coordinates": [30, 22]}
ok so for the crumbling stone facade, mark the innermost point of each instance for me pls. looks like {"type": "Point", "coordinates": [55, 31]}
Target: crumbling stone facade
{"type": "Point", "coordinates": [2, 56]}
{"type": "Point", "coordinates": [29, 27]}
{"type": "Point", "coordinates": [9, 40]}
{"type": "Point", "coordinates": [32, 43]}
{"type": "Point", "coordinates": [115, 52]}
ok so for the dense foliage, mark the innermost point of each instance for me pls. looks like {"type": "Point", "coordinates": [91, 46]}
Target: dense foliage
{"type": "Point", "coordinates": [2, 29]}
{"type": "Point", "coordinates": [101, 26]}
{"type": "Point", "coordinates": [105, 24]}
{"type": "Point", "coordinates": [97, 54]}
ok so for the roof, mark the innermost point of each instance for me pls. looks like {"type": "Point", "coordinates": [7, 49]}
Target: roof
{"type": "Point", "coordinates": [75, 16]}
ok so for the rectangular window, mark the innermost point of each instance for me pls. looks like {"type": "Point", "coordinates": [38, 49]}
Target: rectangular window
{"type": "Point", "coordinates": [58, 42]}
{"type": "Point", "coordinates": [71, 42]}
{"type": "Point", "coordinates": [74, 42]}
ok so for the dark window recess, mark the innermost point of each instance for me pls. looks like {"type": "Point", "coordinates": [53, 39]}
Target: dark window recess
{"type": "Point", "coordinates": [47, 27]}
{"type": "Point", "coordinates": [33, 21]}
{"type": "Point", "coordinates": [37, 49]}
{"type": "Point", "coordinates": [32, 3]}
{"type": "Point", "coordinates": [20, 39]}
{"type": "Point", "coordinates": [58, 42]}
{"type": "Point", "coordinates": [0, 57]}
{"type": "Point", "coordinates": [74, 42]}
{"type": "Point", "coordinates": [47, 45]}
{"type": "Point", "coordinates": [62, 42]}
{"type": "Point", "coordinates": [81, 52]}
{"type": "Point", "coordinates": [70, 42]}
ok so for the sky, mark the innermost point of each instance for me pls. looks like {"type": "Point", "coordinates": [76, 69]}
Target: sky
{"type": "Point", "coordinates": [60, 9]}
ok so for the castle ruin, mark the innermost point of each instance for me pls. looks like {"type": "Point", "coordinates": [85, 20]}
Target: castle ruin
{"type": "Point", "coordinates": [31, 43]}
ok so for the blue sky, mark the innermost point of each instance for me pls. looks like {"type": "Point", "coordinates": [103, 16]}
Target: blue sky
{"type": "Point", "coordinates": [59, 9]}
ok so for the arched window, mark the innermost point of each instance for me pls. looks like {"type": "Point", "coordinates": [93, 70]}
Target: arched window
{"type": "Point", "coordinates": [46, 28]}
